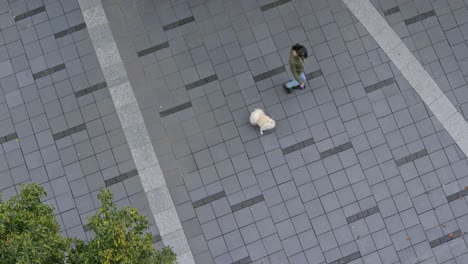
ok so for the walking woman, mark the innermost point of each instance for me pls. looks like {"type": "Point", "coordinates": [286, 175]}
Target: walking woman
{"type": "Point", "coordinates": [296, 64]}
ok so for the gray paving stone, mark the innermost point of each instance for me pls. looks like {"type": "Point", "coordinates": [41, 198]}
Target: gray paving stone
{"type": "Point", "coordinates": [436, 197]}
{"type": "Point", "coordinates": [279, 212]}
{"type": "Point", "coordinates": [245, 37]}
{"type": "Point", "coordinates": [10, 34]}
{"type": "Point", "coordinates": [204, 257]}
{"type": "Point", "coordinates": [443, 213]}
{"type": "Point", "coordinates": [348, 103]}
{"type": "Point", "coordinates": [20, 63]}
{"type": "Point", "coordinates": [321, 225]}
{"type": "Point", "coordinates": [33, 160]}
{"type": "Point", "coordinates": [409, 218]}
{"type": "Point", "coordinates": [211, 229]}
{"type": "Point", "coordinates": [233, 240]}
{"type": "Point", "coordinates": [291, 245]}
{"type": "Point", "coordinates": [327, 241]}
{"type": "Point", "coordinates": [282, 174]}
{"type": "Point", "coordinates": [295, 206]}
{"type": "Point", "coordinates": [6, 68]}
{"type": "Point", "coordinates": [217, 246]}
{"type": "Point", "coordinates": [79, 188]}
{"type": "Point", "coordinates": [440, 253]}
{"type": "Point", "coordinates": [65, 202]}
{"type": "Point", "coordinates": [18, 174]}
{"type": "Point", "coordinates": [250, 233]}
{"type": "Point", "coordinates": [256, 250]}
{"type": "Point", "coordinates": [18, 114]}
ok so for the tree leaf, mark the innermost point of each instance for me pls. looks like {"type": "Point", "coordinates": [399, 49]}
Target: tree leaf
{"type": "Point", "coordinates": [29, 234]}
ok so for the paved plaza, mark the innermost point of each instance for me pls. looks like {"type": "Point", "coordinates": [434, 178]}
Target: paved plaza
{"type": "Point", "coordinates": [359, 169]}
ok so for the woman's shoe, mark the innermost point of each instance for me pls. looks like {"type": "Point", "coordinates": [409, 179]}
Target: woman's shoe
{"type": "Point", "coordinates": [288, 90]}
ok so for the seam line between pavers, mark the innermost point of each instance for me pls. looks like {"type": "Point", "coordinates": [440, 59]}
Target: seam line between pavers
{"type": "Point", "coordinates": [201, 82]}
{"type": "Point", "coordinates": [70, 30]}
{"type": "Point", "coordinates": [274, 4]}
{"type": "Point", "coordinates": [446, 238]}
{"type": "Point", "coordinates": [68, 132]}
{"type": "Point", "coordinates": [391, 11]}
{"type": "Point", "coordinates": [411, 157]}
{"type": "Point", "coordinates": [269, 74]}
{"type": "Point", "coordinates": [420, 17]}
{"type": "Point", "coordinates": [49, 71]}
{"type": "Point", "coordinates": [298, 146]}
{"type": "Point", "coordinates": [457, 195]}
{"type": "Point", "coordinates": [347, 259]}
{"type": "Point", "coordinates": [412, 70]}
{"type": "Point", "coordinates": [313, 75]}
{"type": "Point", "coordinates": [153, 49]}
{"type": "Point", "coordinates": [8, 137]}
{"type": "Point", "coordinates": [247, 203]}
{"type": "Point", "coordinates": [91, 89]}
{"type": "Point", "coordinates": [120, 178]}
{"type": "Point", "coordinates": [29, 13]}
{"type": "Point", "coordinates": [336, 150]}
{"type": "Point", "coordinates": [362, 214]}
{"type": "Point", "coordinates": [379, 85]}
{"type": "Point", "coordinates": [179, 23]}
{"type": "Point", "coordinates": [136, 133]}
{"type": "Point", "coordinates": [209, 199]}
{"type": "Point", "coordinates": [245, 260]}
{"type": "Point", "coordinates": [175, 109]}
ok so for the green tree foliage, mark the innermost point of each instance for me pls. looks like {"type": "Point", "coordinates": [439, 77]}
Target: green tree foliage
{"type": "Point", "coordinates": [29, 234]}
{"type": "Point", "coordinates": [28, 230]}
{"type": "Point", "coordinates": [120, 237]}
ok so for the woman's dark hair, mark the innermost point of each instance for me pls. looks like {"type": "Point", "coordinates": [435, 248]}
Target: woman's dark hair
{"type": "Point", "coordinates": [300, 50]}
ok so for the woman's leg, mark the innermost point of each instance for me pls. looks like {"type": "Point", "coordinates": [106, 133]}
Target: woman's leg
{"type": "Point", "coordinates": [303, 79]}
{"type": "Point", "coordinates": [293, 83]}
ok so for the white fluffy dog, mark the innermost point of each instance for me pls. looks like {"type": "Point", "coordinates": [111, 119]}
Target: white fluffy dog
{"type": "Point", "coordinates": [259, 118]}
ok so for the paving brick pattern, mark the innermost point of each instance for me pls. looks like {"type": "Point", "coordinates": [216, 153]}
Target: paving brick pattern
{"type": "Point", "coordinates": [357, 170]}
{"type": "Point", "coordinates": [435, 32]}
{"type": "Point", "coordinates": [58, 124]}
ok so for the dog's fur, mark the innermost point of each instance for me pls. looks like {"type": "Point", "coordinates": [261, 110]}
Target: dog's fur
{"type": "Point", "coordinates": [259, 118]}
